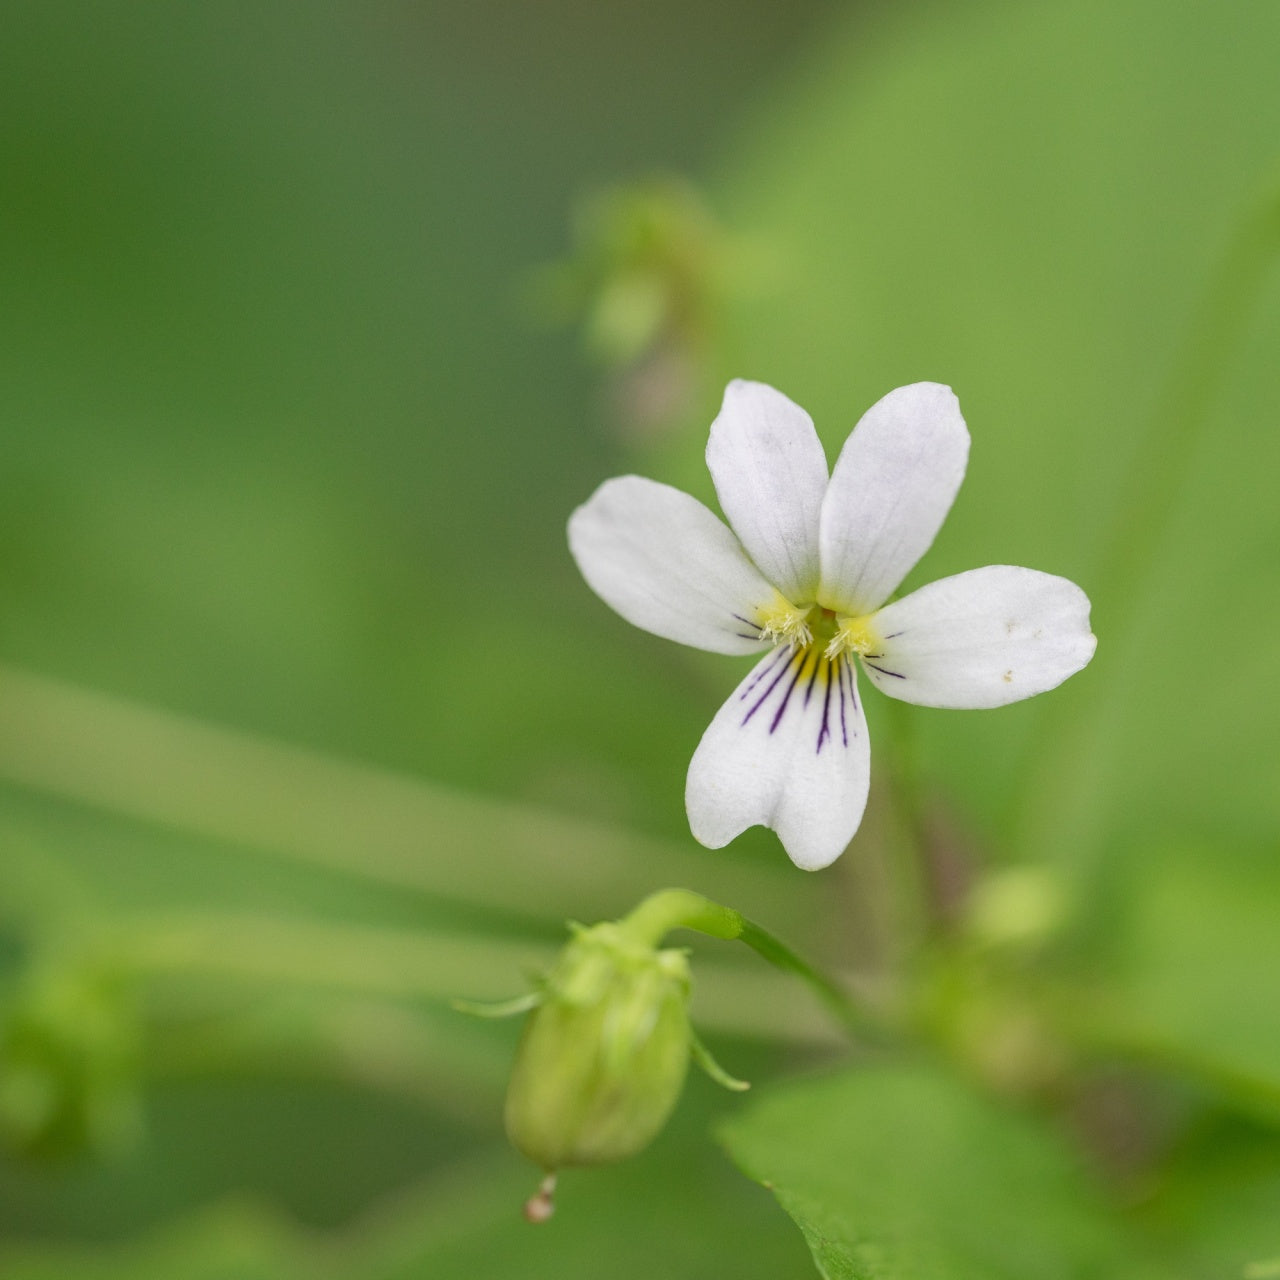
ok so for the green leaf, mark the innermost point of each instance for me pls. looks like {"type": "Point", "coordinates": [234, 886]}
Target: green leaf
{"type": "Point", "coordinates": [1215, 1212]}
{"type": "Point", "coordinates": [678, 1212]}
{"type": "Point", "coordinates": [903, 1173]}
{"type": "Point", "coordinates": [1196, 971]}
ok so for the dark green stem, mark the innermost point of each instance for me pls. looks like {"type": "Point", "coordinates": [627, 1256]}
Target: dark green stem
{"type": "Point", "coordinates": [854, 1019]}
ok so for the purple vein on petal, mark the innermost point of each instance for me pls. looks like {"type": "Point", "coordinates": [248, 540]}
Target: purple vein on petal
{"type": "Point", "coordinates": [847, 671]}
{"type": "Point", "coordinates": [786, 697]}
{"type": "Point", "coordinates": [844, 728]}
{"type": "Point", "coordinates": [772, 683]}
{"type": "Point", "coordinates": [825, 732]}
{"type": "Point", "coordinates": [813, 676]}
{"type": "Point", "coordinates": [779, 652]}
{"type": "Point", "coordinates": [884, 671]}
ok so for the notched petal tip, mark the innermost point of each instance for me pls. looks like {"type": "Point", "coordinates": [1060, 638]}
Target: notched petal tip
{"type": "Point", "coordinates": [804, 852]}
{"type": "Point", "coordinates": [787, 751]}
{"type": "Point", "coordinates": [809, 855]}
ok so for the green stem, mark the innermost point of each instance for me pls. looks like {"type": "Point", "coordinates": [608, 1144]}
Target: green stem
{"type": "Point", "coordinates": [854, 1019]}
{"type": "Point", "coordinates": [671, 909]}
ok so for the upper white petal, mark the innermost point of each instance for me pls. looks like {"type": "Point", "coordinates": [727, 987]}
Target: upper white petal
{"type": "Point", "coordinates": [891, 489]}
{"type": "Point", "coordinates": [787, 751]}
{"type": "Point", "coordinates": [982, 638]}
{"type": "Point", "coordinates": [669, 565]}
{"type": "Point", "coordinates": [770, 474]}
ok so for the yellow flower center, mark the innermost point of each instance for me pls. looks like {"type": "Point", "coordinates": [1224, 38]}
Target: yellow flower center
{"type": "Point", "coordinates": [854, 635]}
{"type": "Point", "coordinates": [785, 623]}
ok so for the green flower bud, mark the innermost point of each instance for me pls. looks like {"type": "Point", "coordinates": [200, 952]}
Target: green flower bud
{"type": "Point", "coordinates": [603, 1057]}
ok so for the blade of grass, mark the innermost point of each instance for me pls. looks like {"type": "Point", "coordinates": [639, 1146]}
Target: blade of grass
{"type": "Point", "coordinates": [177, 772]}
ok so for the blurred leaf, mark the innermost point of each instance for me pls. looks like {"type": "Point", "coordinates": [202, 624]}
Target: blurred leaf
{"type": "Point", "coordinates": [68, 1063]}
{"type": "Point", "coordinates": [1215, 1211]}
{"type": "Point", "coordinates": [679, 1212]}
{"type": "Point", "coordinates": [904, 1174]}
{"type": "Point", "coordinates": [230, 1243]}
{"type": "Point", "coordinates": [1196, 979]}
{"type": "Point", "coordinates": [277, 450]}
{"type": "Point", "coordinates": [1026, 202]}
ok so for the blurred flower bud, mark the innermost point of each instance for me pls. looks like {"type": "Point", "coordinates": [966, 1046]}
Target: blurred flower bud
{"type": "Point", "coordinates": [603, 1058]}
{"type": "Point", "coordinates": [1019, 907]}
{"type": "Point", "coordinates": [68, 1046]}
{"type": "Point", "coordinates": [647, 280]}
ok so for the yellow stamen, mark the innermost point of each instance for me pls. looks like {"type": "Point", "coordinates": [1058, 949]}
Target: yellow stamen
{"type": "Point", "coordinates": [854, 635]}
{"type": "Point", "coordinates": [783, 623]}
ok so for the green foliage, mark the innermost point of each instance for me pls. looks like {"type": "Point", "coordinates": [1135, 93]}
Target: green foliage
{"type": "Point", "coordinates": [903, 1173]}
{"type": "Point", "coordinates": [307, 725]}
{"type": "Point", "coordinates": [992, 209]}
{"type": "Point", "coordinates": [1195, 982]}
{"type": "Point", "coordinates": [68, 1064]}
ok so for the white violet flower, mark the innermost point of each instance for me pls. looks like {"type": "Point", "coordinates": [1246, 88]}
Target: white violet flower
{"type": "Point", "coordinates": [806, 577]}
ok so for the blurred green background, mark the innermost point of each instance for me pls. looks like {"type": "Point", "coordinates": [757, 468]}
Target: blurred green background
{"type": "Point", "coordinates": [307, 722]}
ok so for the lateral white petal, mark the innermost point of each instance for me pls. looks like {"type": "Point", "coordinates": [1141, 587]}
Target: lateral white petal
{"type": "Point", "coordinates": [669, 565]}
{"type": "Point", "coordinates": [892, 486]}
{"type": "Point", "coordinates": [981, 639]}
{"type": "Point", "coordinates": [770, 473]}
{"type": "Point", "coordinates": [789, 751]}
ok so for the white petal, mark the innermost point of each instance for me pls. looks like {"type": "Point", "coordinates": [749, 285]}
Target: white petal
{"type": "Point", "coordinates": [770, 474]}
{"type": "Point", "coordinates": [891, 489]}
{"type": "Point", "coordinates": [981, 639]}
{"type": "Point", "coordinates": [667, 564]}
{"type": "Point", "coordinates": [789, 751]}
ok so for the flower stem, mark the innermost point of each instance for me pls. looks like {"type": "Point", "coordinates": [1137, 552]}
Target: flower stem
{"type": "Point", "coordinates": [854, 1019]}
{"type": "Point", "coordinates": [671, 909]}
{"type": "Point", "coordinates": [682, 909]}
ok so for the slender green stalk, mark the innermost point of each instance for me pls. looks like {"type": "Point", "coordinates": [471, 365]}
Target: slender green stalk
{"type": "Point", "coordinates": [265, 796]}
{"type": "Point", "coordinates": [855, 1020]}
{"type": "Point", "coordinates": [671, 909]}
